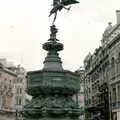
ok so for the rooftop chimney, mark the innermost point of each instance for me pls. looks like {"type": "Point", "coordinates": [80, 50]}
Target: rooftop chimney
{"type": "Point", "coordinates": [118, 16]}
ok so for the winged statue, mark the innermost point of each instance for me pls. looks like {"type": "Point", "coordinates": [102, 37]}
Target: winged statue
{"type": "Point", "coordinates": [58, 5]}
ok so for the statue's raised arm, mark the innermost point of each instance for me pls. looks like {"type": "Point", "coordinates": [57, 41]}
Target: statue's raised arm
{"type": "Point", "coordinates": [58, 5]}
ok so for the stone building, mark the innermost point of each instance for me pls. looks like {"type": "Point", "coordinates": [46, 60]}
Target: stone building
{"type": "Point", "coordinates": [15, 77]}
{"type": "Point", "coordinates": [20, 89]}
{"type": "Point", "coordinates": [102, 76]}
{"type": "Point", "coordinates": [80, 96]}
{"type": "Point", "coordinates": [7, 93]}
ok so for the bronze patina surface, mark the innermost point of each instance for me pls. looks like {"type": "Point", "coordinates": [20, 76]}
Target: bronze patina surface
{"type": "Point", "coordinates": [52, 87]}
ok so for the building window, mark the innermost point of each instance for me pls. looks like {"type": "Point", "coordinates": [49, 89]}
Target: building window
{"type": "Point", "coordinates": [118, 93]}
{"type": "Point", "coordinates": [112, 62]}
{"type": "Point", "coordinates": [114, 116]}
{"type": "Point", "coordinates": [20, 90]}
{"type": "Point", "coordinates": [19, 101]}
{"type": "Point", "coordinates": [119, 57]}
{"type": "Point", "coordinates": [112, 66]}
{"type": "Point", "coordinates": [114, 95]}
{"type": "Point", "coordinates": [17, 90]}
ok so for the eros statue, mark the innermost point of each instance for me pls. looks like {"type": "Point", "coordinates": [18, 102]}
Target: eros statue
{"type": "Point", "coordinates": [58, 5]}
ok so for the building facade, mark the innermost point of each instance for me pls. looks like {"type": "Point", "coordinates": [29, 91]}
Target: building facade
{"type": "Point", "coordinates": [7, 93]}
{"type": "Point", "coordinates": [20, 89]}
{"type": "Point", "coordinates": [102, 76]}
{"type": "Point", "coordinates": [80, 96]}
{"type": "Point", "coordinates": [14, 98]}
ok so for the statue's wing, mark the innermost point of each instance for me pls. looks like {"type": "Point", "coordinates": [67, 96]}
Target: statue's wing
{"type": "Point", "coordinates": [68, 2]}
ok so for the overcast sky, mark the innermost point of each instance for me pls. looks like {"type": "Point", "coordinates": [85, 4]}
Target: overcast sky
{"type": "Point", "coordinates": [24, 27]}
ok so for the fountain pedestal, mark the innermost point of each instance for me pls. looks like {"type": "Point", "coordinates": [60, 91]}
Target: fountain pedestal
{"type": "Point", "coordinates": [52, 87]}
